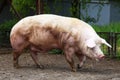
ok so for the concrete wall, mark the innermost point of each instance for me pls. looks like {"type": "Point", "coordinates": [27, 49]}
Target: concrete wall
{"type": "Point", "coordinates": [93, 10]}
{"type": "Point", "coordinates": [109, 13]}
{"type": "Point", "coordinates": [115, 12]}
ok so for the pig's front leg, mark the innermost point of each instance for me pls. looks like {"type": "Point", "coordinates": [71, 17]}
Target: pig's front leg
{"type": "Point", "coordinates": [34, 56]}
{"type": "Point", "coordinates": [69, 51]}
{"type": "Point", "coordinates": [82, 59]}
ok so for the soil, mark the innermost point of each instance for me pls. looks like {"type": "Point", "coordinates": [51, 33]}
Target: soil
{"type": "Point", "coordinates": [56, 68]}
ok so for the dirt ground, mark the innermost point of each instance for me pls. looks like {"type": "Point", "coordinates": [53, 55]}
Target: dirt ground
{"type": "Point", "coordinates": [56, 68]}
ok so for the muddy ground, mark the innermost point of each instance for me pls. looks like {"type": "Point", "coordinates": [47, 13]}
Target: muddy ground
{"type": "Point", "coordinates": [56, 68]}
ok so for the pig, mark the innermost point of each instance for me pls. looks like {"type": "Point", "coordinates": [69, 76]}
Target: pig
{"type": "Point", "coordinates": [41, 33]}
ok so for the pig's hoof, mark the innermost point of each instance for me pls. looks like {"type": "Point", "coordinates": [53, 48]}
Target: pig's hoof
{"type": "Point", "coordinates": [74, 70]}
{"type": "Point", "coordinates": [17, 66]}
{"type": "Point", "coordinates": [40, 66]}
{"type": "Point", "coordinates": [78, 66]}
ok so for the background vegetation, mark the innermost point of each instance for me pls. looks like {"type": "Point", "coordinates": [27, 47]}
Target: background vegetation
{"type": "Point", "coordinates": [24, 7]}
{"type": "Point", "coordinates": [7, 25]}
{"type": "Point", "coordinates": [112, 27]}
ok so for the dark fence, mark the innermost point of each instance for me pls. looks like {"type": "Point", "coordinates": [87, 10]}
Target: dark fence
{"type": "Point", "coordinates": [114, 39]}
{"type": "Point", "coordinates": [111, 37]}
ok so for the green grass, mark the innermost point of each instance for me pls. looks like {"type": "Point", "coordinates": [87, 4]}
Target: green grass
{"type": "Point", "coordinates": [113, 27]}
{"type": "Point", "coordinates": [56, 51]}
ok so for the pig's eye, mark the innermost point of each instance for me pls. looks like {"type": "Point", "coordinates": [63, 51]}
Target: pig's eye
{"type": "Point", "coordinates": [93, 48]}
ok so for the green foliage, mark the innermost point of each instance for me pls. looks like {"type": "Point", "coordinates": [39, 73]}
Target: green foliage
{"type": "Point", "coordinates": [56, 7]}
{"type": "Point", "coordinates": [56, 51]}
{"type": "Point", "coordinates": [46, 8]}
{"type": "Point", "coordinates": [24, 6]}
{"type": "Point", "coordinates": [5, 32]}
{"type": "Point", "coordinates": [75, 8]}
{"type": "Point", "coordinates": [113, 27]}
{"type": "Point", "coordinates": [8, 24]}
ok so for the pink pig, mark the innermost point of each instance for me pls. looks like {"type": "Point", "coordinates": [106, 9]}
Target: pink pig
{"type": "Point", "coordinates": [45, 32]}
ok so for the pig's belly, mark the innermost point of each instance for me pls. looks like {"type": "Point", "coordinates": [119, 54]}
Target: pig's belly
{"type": "Point", "coordinates": [45, 44]}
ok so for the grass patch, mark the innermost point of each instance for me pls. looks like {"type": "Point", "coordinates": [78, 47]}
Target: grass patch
{"type": "Point", "coordinates": [113, 27]}
{"type": "Point", "coordinates": [56, 51]}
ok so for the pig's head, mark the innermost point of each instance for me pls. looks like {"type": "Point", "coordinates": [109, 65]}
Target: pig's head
{"type": "Point", "coordinates": [93, 49]}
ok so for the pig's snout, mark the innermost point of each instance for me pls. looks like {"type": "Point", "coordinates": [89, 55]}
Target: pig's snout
{"type": "Point", "coordinates": [101, 57]}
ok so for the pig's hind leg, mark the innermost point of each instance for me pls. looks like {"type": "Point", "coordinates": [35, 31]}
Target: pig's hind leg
{"type": "Point", "coordinates": [18, 44]}
{"type": "Point", "coordinates": [16, 55]}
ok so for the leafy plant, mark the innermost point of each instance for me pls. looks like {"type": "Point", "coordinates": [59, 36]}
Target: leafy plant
{"type": "Point", "coordinates": [24, 7]}
{"type": "Point", "coordinates": [55, 8]}
{"type": "Point", "coordinates": [56, 51]}
{"type": "Point", "coordinates": [5, 32]}
{"type": "Point", "coordinates": [8, 24]}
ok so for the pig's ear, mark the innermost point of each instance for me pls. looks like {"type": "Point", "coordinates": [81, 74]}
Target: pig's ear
{"type": "Point", "coordinates": [90, 43]}
{"type": "Point", "coordinates": [105, 42]}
